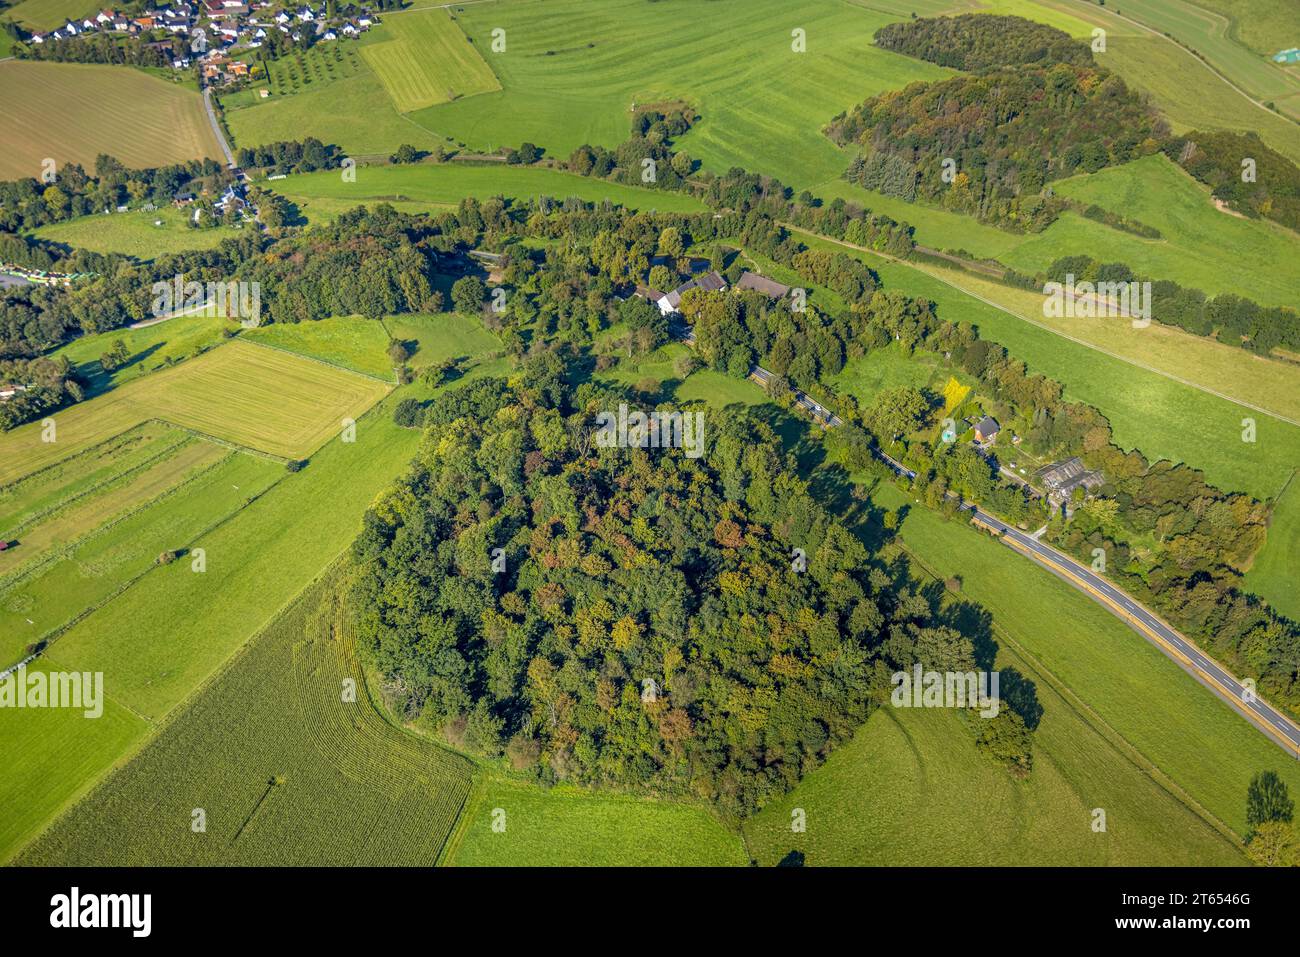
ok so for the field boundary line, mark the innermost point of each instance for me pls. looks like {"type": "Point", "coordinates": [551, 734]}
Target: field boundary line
{"type": "Point", "coordinates": [1046, 328]}
{"type": "Point", "coordinates": [50, 637]}
{"type": "Point", "coordinates": [1108, 732]}
{"type": "Point", "coordinates": [36, 517]}
{"type": "Point", "coordinates": [23, 572]}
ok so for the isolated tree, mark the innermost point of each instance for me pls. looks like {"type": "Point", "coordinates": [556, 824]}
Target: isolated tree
{"type": "Point", "coordinates": [1267, 801]}
{"type": "Point", "coordinates": [467, 294]}
{"type": "Point", "coordinates": [115, 356]}
{"type": "Point", "coordinates": [1274, 844]}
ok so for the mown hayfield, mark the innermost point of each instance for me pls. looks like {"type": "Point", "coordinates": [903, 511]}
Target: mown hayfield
{"type": "Point", "coordinates": [71, 112]}
{"type": "Point", "coordinates": [350, 342]}
{"type": "Point", "coordinates": [52, 756]}
{"type": "Point", "coordinates": [446, 184]}
{"type": "Point", "coordinates": [60, 528]}
{"type": "Point", "coordinates": [422, 58]}
{"type": "Point", "coordinates": [1201, 247]}
{"type": "Point", "coordinates": [1277, 566]}
{"type": "Point", "coordinates": [1177, 724]}
{"type": "Point", "coordinates": [355, 113]}
{"type": "Point", "coordinates": [571, 827]}
{"type": "Point", "coordinates": [151, 348]}
{"type": "Point", "coordinates": [265, 399]}
{"type": "Point", "coordinates": [136, 233]}
{"type": "Point", "coordinates": [48, 14]}
{"type": "Point", "coordinates": [1147, 410]}
{"type": "Point", "coordinates": [49, 596]}
{"type": "Point", "coordinates": [354, 789]}
{"type": "Point", "coordinates": [572, 70]}
{"type": "Point", "coordinates": [911, 789]}
{"type": "Point", "coordinates": [161, 638]}
{"type": "Point", "coordinates": [1209, 33]}
{"type": "Point", "coordinates": [58, 486]}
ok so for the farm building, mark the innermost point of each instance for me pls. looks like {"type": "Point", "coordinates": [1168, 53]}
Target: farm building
{"type": "Point", "coordinates": [709, 282]}
{"type": "Point", "coordinates": [1061, 478]}
{"type": "Point", "coordinates": [768, 287]}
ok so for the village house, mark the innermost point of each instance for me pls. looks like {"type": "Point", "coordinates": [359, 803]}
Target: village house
{"type": "Point", "coordinates": [986, 430]}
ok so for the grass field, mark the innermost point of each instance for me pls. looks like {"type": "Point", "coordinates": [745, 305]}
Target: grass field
{"type": "Point", "coordinates": [135, 233]}
{"type": "Point", "coordinates": [570, 827]}
{"type": "Point", "coordinates": [888, 368]}
{"type": "Point", "coordinates": [71, 112]}
{"type": "Point", "coordinates": [1209, 33]}
{"type": "Point", "coordinates": [54, 756]}
{"type": "Point", "coordinates": [48, 14]}
{"type": "Point", "coordinates": [356, 790]}
{"type": "Point", "coordinates": [1262, 263]}
{"type": "Point", "coordinates": [355, 113]}
{"type": "Point", "coordinates": [181, 457]}
{"type": "Point", "coordinates": [1191, 250]}
{"type": "Point", "coordinates": [1277, 566]}
{"type": "Point", "coordinates": [97, 567]}
{"type": "Point", "coordinates": [161, 638]}
{"type": "Point", "coordinates": [350, 342]}
{"type": "Point", "coordinates": [442, 336]}
{"type": "Point", "coordinates": [445, 184]}
{"type": "Point", "coordinates": [151, 348]}
{"type": "Point", "coordinates": [422, 58]}
{"type": "Point", "coordinates": [1264, 26]}
{"type": "Point", "coordinates": [572, 71]}
{"type": "Point", "coordinates": [1130, 686]}
{"type": "Point", "coordinates": [910, 789]}
{"type": "Point", "coordinates": [265, 399]}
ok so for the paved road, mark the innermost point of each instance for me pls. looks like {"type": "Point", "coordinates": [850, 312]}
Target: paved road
{"type": "Point", "coordinates": [216, 127]}
{"type": "Point", "coordinates": [1183, 651]}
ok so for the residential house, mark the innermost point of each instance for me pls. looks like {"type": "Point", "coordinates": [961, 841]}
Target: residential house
{"type": "Point", "coordinates": [986, 430]}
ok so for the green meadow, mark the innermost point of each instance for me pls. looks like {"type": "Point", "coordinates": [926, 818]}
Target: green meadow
{"type": "Point", "coordinates": [351, 789]}
{"type": "Point", "coordinates": [349, 342]}
{"type": "Point", "coordinates": [571, 827]}
{"type": "Point", "coordinates": [144, 234]}
{"type": "Point", "coordinates": [426, 185]}
{"type": "Point", "coordinates": [571, 72]}
{"type": "Point", "coordinates": [1127, 686]}
{"type": "Point", "coordinates": [1277, 566]}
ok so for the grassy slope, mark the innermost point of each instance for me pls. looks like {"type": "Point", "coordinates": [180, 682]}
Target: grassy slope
{"type": "Point", "coordinates": [1178, 725]}
{"type": "Point", "coordinates": [1208, 33]}
{"type": "Point", "coordinates": [49, 14]}
{"type": "Point", "coordinates": [446, 184]}
{"type": "Point", "coordinates": [1277, 566]}
{"type": "Point", "coordinates": [135, 234]}
{"type": "Point", "coordinates": [568, 827]}
{"type": "Point", "coordinates": [357, 790]}
{"type": "Point", "coordinates": [572, 70]}
{"type": "Point", "coordinates": [422, 58]}
{"type": "Point", "coordinates": [350, 342]}
{"type": "Point", "coordinates": [71, 112]}
{"type": "Point", "coordinates": [1265, 26]}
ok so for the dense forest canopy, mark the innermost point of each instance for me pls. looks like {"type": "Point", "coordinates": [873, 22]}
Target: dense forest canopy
{"type": "Point", "coordinates": [1036, 108]}
{"type": "Point", "coordinates": [646, 623]}
{"type": "Point", "coordinates": [980, 41]}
